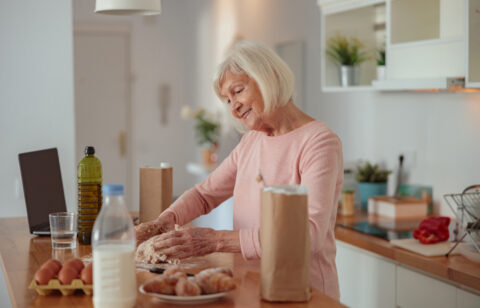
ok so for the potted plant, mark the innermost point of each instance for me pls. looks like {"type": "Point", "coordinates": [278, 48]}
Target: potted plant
{"type": "Point", "coordinates": [207, 133]}
{"type": "Point", "coordinates": [372, 181]}
{"type": "Point", "coordinates": [381, 64]}
{"type": "Point", "coordinates": [348, 53]}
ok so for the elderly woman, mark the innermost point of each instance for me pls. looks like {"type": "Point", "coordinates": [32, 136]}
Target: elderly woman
{"type": "Point", "coordinates": [289, 147]}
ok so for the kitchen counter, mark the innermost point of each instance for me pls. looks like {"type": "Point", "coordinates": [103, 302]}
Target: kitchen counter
{"type": "Point", "coordinates": [456, 268]}
{"type": "Point", "coordinates": [22, 254]}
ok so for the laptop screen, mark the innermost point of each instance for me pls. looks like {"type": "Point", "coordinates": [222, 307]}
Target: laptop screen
{"type": "Point", "coordinates": [42, 186]}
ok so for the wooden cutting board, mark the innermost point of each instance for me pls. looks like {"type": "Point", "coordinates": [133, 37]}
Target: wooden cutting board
{"type": "Point", "coordinates": [432, 250]}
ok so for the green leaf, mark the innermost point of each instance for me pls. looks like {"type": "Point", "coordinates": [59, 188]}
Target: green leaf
{"type": "Point", "coordinates": [372, 174]}
{"type": "Point", "coordinates": [344, 51]}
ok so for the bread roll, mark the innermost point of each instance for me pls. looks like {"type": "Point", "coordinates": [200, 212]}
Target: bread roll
{"type": "Point", "coordinates": [215, 282]}
{"type": "Point", "coordinates": [164, 284]}
{"type": "Point", "coordinates": [187, 287]}
{"type": "Point", "coordinates": [175, 271]}
{"type": "Point", "coordinates": [210, 271]}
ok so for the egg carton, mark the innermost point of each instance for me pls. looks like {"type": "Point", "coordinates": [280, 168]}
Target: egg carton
{"type": "Point", "coordinates": [65, 289]}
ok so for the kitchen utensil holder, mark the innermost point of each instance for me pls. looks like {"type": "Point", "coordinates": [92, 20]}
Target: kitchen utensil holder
{"type": "Point", "coordinates": [466, 207]}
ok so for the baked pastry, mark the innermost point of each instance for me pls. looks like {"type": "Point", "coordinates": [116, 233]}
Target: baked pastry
{"type": "Point", "coordinates": [175, 271]}
{"type": "Point", "coordinates": [163, 284]}
{"type": "Point", "coordinates": [146, 253]}
{"type": "Point", "coordinates": [187, 287]}
{"type": "Point", "coordinates": [214, 282]}
{"type": "Point", "coordinates": [209, 271]}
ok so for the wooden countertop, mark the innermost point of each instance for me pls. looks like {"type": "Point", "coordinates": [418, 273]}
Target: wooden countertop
{"type": "Point", "coordinates": [455, 268]}
{"type": "Point", "coordinates": [22, 254]}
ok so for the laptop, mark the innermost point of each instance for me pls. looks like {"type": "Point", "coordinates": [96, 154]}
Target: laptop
{"type": "Point", "coordinates": [43, 188]}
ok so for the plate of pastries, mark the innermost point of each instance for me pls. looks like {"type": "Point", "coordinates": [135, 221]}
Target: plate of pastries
{"type": "Point", "coordinates": [174, 286]}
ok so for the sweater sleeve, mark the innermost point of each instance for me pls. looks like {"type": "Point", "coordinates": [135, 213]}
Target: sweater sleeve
{"type": "Point", "coordinates": [321, 170]}
{"type": "Point", "coordinates": [207, 195]}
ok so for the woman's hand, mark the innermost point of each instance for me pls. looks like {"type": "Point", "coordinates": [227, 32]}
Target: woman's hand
{"type": "Point", "coordinates": [164, 223]}
{"type": "Point", "coordinates": [194, 242]}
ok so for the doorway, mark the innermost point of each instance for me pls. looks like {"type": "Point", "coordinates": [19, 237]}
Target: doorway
{"type": "Point", "coordinates": [103, 99]}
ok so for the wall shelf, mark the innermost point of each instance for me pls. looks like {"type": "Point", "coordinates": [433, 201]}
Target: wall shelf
{"type": "Point", "coordinates": [430, 44]}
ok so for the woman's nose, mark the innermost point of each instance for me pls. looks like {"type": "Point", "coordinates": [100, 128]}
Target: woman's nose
{"type": "Point", "coordinates": [235, 105]}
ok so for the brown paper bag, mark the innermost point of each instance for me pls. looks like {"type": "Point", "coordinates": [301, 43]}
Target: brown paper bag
{"type": "Point", "coordinates": [155, 191]}
{"type": "Point", "coordinates": [285, 240]}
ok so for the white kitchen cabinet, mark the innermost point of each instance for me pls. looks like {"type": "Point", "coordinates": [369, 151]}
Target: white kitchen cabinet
{"type": "Point", "coordinates": [427, 39]}
{"type": "Point", "coordinates": [417, 290]}
{"type": "Point", "coordinates": [467, 300]}
{"type": "Point", "coordinates": [473, 44]}
{"type": "Point", "coordinates": [364, 20]}
{"type": "Point", "coordinates": [430, 44]}
{"type": "Point", "coordinates": [370, 280]}
{"type": "Point", "coordinates": [366, 280]}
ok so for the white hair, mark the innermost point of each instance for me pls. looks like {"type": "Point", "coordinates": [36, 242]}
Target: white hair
{"type": "Point", "coordinates": [273, 76]}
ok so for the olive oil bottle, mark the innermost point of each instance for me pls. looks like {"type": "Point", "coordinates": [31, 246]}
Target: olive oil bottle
{"type": "Point", "coordinates": [89, 194]}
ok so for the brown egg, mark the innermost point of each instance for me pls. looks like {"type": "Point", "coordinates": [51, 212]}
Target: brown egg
{"type": "Point", "coordinates": [43, 276]}
{"type": "Point", "coordinates": [87, 274]}
{"type": "Point", "coordinates": [53, 265]}
{"type": "Point", "coordinates": [56, 262]}
{"type": "Point", "coordinates": [76, 263]}
{"type": "Point", "coordinates": [67, 274]}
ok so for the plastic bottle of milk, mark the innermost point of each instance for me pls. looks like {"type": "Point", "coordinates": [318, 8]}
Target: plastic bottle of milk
{"type": "Point", "coordinates": [113, 244]}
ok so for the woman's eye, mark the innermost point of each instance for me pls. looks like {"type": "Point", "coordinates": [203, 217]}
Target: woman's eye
{"type": "Point", "coordinates": [238, 91]}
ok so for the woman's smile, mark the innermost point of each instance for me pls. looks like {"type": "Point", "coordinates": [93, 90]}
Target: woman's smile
{"type": "Point", "coordinates": [245, 114]}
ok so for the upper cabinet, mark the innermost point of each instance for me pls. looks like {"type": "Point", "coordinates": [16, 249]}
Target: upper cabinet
{"type": "Point", "coordinates": [473, 44]}
{"type": "Point", "coordinates": [429, 44]}
{"type": "Point", "coordinates": [361, 20]}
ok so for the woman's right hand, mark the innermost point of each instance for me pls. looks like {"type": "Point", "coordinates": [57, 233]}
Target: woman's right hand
{"type": "Point", "coordinates": [164, 223]}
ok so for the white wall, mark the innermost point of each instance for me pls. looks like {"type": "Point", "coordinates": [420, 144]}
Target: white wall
{"type": "Point", "coordinates": [36, 92]}
{"type": "Point", "coordinates": [36, 96]}
{"type": "Point", "coordinates": [169, 49]}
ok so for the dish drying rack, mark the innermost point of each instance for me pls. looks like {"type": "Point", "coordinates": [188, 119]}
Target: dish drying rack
{"type": "Point", "coordinates": [466, 206]}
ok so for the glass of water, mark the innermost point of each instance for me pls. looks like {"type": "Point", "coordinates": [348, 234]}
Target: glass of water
{"type": "Point", "coordinates": [63, 229]}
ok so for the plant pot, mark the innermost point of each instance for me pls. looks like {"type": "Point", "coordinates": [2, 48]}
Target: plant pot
{"type": "Point", "coordinates": [381, 72]}
{"type": "Point", "coordinates": [349, 75]}
{"type": "Point", "coordinates": [367, 190]}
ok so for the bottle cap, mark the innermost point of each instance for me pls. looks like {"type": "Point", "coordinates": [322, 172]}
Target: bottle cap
{"type": "Point", "coordinates": [89, 150]}
{"type": "Point", "coordinates": [112, 189]}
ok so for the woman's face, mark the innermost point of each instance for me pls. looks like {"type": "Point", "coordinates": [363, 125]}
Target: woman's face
{"type": "Point", "coordinates": [244, 98]}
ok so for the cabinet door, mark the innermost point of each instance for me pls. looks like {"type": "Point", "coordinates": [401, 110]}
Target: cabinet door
{"type": "Point", "coordinates": [467, 300]}
{"type": "Point", "coordinates": [417, 290]}
{"type": "Point", "coordinates": [473, 44]}
{"type": "Point", "coordinates": [365, 280]}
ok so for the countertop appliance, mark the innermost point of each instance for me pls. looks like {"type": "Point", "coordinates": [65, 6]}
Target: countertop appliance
{"type": "Point", "coordinates": [388, 229]}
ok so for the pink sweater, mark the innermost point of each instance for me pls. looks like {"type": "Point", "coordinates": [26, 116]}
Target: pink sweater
{"type": "Point", "coordinates": [310, 155]}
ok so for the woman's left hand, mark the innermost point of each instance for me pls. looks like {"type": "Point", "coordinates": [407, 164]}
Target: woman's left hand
{"type": "Point", "coordinates": [192, 242]}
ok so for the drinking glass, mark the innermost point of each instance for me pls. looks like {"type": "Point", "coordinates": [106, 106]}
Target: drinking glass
{"type": "Point", "coordinates": [63, 229]}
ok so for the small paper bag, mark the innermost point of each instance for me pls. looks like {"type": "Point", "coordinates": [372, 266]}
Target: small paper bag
{"type": "Point", "coordinates": [285, 240]}
{"type": "Point", "coordinates": [155, 191]}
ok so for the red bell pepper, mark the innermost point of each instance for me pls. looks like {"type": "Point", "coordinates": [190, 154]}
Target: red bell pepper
{"type": "Point", "coordinates": [432, 230]}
